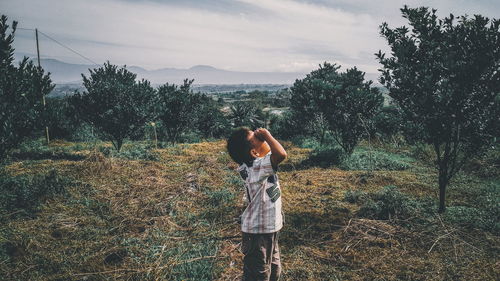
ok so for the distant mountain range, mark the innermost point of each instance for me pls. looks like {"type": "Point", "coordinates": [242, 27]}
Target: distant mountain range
{"type": "Point", "coordinates": [69, 73]}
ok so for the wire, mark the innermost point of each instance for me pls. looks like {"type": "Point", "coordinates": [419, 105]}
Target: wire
{"type": "Point", "coordinates": [68, 48]}
{"type": "Point", "coordinates": [61, 44]}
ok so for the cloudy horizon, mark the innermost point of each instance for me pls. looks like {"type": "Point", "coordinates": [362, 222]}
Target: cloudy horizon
{"type": "Point", "coordinates": [242, 35]}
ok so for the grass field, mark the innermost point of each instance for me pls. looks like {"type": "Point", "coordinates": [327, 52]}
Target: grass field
{"type": "Point", "coordinates": [76, 211]}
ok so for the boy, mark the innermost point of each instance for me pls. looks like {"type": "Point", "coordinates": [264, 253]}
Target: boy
{"type": "Point", "coordinates": [259, 154]}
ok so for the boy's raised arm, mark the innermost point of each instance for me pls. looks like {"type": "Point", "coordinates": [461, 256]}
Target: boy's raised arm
{"type": "Point", "coordinates": [278, 153]}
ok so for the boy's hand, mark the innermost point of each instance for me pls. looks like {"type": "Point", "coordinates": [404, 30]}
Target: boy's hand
{"type": "Point", "coordinates": [262, 134]}
{"type": "Point", "coordinates": [278, 153]}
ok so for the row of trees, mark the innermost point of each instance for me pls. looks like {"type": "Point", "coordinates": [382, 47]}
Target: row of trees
{"type": "Point", "coordinates": [118, 106]}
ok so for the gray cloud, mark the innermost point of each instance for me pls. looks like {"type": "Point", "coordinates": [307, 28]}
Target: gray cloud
{"type": "Point", "coordinates": [246, 35]}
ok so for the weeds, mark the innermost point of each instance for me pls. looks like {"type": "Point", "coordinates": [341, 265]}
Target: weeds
{"type": "Point", "coordinates": [26, 193]}
{"type": "Point", "coordinates": [36, 150]}
{"type": "Point", "coordinates": [131, 152]}
{"type": "Point", "coordinates": [379, 160]}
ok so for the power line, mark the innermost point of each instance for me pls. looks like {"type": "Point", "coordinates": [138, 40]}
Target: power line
{"type": "Point", "coordinates": [61, 44]}
{"type": "Point", "coordinates": [68, 48]}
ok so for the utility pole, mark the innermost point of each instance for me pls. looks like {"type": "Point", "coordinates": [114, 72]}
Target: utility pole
{"type": "Point", "coordinates": [43, 97]}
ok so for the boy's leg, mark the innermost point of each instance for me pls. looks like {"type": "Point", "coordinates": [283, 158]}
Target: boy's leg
{"type": "Point", "coordinates": [258, 250]}
{"type": "Point", "coordinates": [276, 260]}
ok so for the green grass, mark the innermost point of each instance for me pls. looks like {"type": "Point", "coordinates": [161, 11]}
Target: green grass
{"type": "Point", "coordinates": [371, 159]}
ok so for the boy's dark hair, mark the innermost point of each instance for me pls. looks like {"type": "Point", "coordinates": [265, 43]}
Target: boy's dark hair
{"type": "Point", "coordinates": [239, 147]}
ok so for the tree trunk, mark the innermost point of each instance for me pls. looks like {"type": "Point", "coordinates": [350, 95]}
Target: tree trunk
{"type": "Point", "coordinates": [442, 190]}
{"type": "Point", "coordinates": [322, 139]}
{"type": "Point", "coordinates": [117, 144]}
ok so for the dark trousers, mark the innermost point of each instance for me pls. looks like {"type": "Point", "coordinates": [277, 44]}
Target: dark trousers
{"type": "Point", "coordinates": [262, 257]}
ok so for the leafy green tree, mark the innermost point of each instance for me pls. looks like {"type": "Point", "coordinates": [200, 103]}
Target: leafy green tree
{"type": "Point", "coordinates": [344, 99]}
{"type": "Point", "coordinates": [444, 75]}
{"type": "Point", "coordinates": [176, 108]}
{"type": "Point", "coordinates": [61, 118]}
{"type": "Point", "coordinates": [114, 102]}
{"type": "Point", "coordinates": [210, 120]}
{"type": "Point", "coordinates": [387, 123]}
{"type": "Point", "coordinates": [245, 114]}
{"type": "Point", "coordinates": [21, 91]}
{"type": "Point", "coordinates": [282, 98]}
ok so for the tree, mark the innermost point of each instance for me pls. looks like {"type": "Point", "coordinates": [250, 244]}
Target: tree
{"type": "Point", "coordinates": [21, 91]}
{"type": "Point", "coordinates": [176, 108]}
{"type": "Point", "coordinates": [387, 123]}
{"type": "Point", "coordinates": [444, 75]}
{"type": "Point", "coordinates": [114, 102]}
{"type": "Point", "coordinates": [61, 119]}
{"type": "Point", "coordinates": [344, 99]}
{"type": "Point", "coordinates": [281, 98]}
{"type": "Point", "coordinates": [245, 114]}
{"type": "Point", "coordinates": [210, 120]}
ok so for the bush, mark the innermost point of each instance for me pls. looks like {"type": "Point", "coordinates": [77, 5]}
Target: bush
{"type": "Point", "coordinates": [485, 165]}
{"type": "Point", "coordinates": [472, 217]}
{"type": "Point", "coordinates": [325, 157]}
{"type": "Point", "coordinates": [305, 142]}
{"type": "Point", "coordinates": [483, 209]}
{"type": "Point", "coordinates": [389, 203]}
{"type": "Point", "coordinates": [28, 192]}
{"type": "Point", "coordinates": [378, 160]}
{"type": "Point", "coordinates": [354, 196]}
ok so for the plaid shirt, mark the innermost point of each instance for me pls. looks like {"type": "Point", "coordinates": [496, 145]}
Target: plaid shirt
{"type": "Point", "coordinates": [263, 213]}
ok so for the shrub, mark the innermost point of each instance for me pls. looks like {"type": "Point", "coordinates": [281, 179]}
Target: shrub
{"type": "Point", "coordinates": [376, 160]}
{"type": "Point", "coordinates": [483, 209]}
{"type": "Point", "coordinates": [389, 203]}
{"type": "Point", "coordinates": [473, 217]}
{"type": "Point", "coordinates": [325, 157]}
{"type": "Point", "coordinates": [354, 196]}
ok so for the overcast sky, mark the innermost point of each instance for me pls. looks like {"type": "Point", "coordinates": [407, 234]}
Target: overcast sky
{"type": "Point", "coordinates": [243, 35]}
